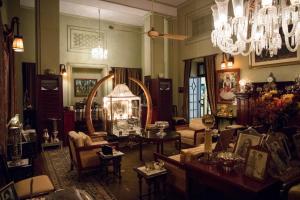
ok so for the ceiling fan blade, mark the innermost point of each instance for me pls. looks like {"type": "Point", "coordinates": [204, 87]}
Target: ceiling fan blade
{"type": "Point", "coordinates": [174, 37]}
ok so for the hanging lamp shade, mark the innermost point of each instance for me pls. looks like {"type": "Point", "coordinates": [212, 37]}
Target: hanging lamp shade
{"type": "Point", "coordinates": [18, 45]}
{"type": "Point", "coordinates": [99, 52]}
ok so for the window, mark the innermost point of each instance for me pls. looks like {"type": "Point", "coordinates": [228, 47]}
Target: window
{"type": "Point", "coordinates": [198, 101]}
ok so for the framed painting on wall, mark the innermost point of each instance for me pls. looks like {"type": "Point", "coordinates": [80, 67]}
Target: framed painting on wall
{"type": "Point", "coordinates": [283, 57]}
{"type": "Point", "coordinates": [82, 87]}
{"type": "Point", "coordinates": [227, 85]}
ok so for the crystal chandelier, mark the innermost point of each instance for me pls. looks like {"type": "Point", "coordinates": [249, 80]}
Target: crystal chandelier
{"type": "Point", "coordinates": [99, 52]}
{"type": "Point", "coordinates": [255, 26]}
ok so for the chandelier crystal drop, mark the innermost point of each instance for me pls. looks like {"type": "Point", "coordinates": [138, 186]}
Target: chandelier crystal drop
{"type": "Point", "coordinates": [99, 52]}
{"type": "Point", "coordinates": [255, 26]}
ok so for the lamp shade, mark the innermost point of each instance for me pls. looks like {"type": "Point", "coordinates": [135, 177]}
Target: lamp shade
{"type": "Point", "coordinates": [18, 45]}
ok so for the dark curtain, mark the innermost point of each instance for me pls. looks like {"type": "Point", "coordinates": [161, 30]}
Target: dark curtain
{"type": "Point", "coordinates": [7, 82]}
{"type": "Point", "coordinates": [121, 75]}
{"type": "Point", "coordinates": [137, 74]}
{"type": "Point", "coordinates": [29, 74]}
{"type": "Point", "coordinates": [187, 73]}
{"type": "Point", "coordinates": [210, 68]}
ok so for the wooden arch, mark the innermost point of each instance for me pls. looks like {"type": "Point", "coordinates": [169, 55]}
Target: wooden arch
{"type": "Point", "coordinates": [88, 115]}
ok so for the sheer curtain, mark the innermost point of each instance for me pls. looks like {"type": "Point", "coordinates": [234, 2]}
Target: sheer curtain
{"type": "Point", "coordinates": [210, 68]}
{"type": "Point", "coordinates": [187, 73]}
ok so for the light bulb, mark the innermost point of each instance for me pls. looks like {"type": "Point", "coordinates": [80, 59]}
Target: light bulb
{"type": "Point", "coordinates": [223, 65]}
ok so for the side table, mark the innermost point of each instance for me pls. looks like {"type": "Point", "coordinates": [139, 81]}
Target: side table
{"type": "Point", "coordinates": [105, 161]}
{"type": "Point", "coordinates": [155, 178]}
{"type": "Point", "coordinates": [20, 169]}
{"type": "Point", "coordinates": [52, 144]}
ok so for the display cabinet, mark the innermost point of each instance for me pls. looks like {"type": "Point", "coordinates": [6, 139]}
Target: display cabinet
{"type": "Point", "coordinates": [123, 111]}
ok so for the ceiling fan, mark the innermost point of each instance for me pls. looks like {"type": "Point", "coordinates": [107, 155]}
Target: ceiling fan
{"type": "Point", "coordinates": [155, 34]}
{"type": "Point", "coordinates": [152, 33]}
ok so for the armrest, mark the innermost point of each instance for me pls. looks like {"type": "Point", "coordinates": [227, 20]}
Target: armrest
{"type": "Point", "coordinates": [182, 127]}
{"type": "Point", "coordinates": [98, 134]}
{"type": "Point", "coordinates": [168, 160]}
{"type": "Point", "coordinates": [286, 186]}
{"type": "Point", "coordinates": [91, 147]}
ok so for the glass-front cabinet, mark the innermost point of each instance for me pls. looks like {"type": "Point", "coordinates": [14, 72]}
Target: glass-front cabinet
{"type": "Point", "coordinates": [123, 110]}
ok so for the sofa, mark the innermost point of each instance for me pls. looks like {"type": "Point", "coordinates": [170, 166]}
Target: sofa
{"type": "Point", "coordinates": [176, 164]}
{"type": "Point", "coordinates": [83, 150]}
{"type": "Point", "coordinates": [193, 133]}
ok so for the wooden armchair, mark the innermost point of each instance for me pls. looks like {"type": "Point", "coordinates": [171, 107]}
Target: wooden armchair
{"type": "Point", "coordinates": [193, 133]}
{"type": "Point", "coordinates": [83, 150]}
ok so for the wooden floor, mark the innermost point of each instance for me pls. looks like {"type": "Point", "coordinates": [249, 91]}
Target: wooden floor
{"type": "Point", "coordinates": [127, 188]}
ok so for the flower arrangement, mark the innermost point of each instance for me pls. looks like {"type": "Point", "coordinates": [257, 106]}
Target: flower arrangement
{"type": "Point", "coordinates": [274, 110]}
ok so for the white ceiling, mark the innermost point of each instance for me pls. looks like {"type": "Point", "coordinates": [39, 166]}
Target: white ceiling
{"type": "Point", "coordinates": [130, 12]}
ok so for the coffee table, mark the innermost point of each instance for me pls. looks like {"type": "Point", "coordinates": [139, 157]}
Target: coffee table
{"type": "Point", "coordinates": [153, 137]}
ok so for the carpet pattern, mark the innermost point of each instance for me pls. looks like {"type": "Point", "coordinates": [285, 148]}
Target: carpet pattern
{"type": "Point", "coordinates": [58, 167]}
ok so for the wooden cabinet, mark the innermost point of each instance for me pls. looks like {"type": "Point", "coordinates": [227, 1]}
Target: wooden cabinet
{"type": "Point", "coordinates": [161, 94]}
{"type": "Point", "coordinates": [244, 105]}
{"type": "Point", "coordinates": [69, 124]}
{"type": "Point", "coordinates": [49, 102]}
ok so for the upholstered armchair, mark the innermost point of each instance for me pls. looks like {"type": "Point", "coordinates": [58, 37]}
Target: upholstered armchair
{"type": "Point", "coordinates": [27, 188]}
{"type": "Point", "coordinates": [193, 133]}
{"type": "Point", "coordinates": [83, 150]}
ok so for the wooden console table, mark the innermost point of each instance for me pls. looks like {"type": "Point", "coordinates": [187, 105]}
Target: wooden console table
{"type": "Point", "coordinates": [231, 186]}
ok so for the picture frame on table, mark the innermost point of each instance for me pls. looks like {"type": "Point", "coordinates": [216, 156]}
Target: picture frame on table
{"type": "Point", "coordinates": [246, 139]}
{"type": "Point", "coordinates": [257, 161]}
{"type": "Point", "coordinates": [278, 154]}
{"type": "Point", "coordinates": [227, 85]}
{"type": "Point", "coordinates": [82, 87]}
{"type": "Point", "coordinates": [284, 57]}
{"type": "Point", "coordinates": [8, 192]}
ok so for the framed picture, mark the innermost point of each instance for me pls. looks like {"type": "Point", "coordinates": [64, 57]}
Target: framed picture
{"type": "Point", "coordinates": [256, 163]}
{"type": "Point", "coordinates": [227, 85]}
{"type": "Point", "coordinates": [8, 192]}
{"type": "Point", "coordinates": [278, 154]}
{"type": "Point", "coordinates": [226, 136]}
{"type": "Point", "coordinates": [246, 139]}
{"type": "Point", "coordinates": [82, 87]}
{"type": "Point", "coordinates": [283, 57]}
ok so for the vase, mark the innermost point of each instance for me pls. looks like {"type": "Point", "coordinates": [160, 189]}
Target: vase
{"type": "Point", "coordinates": [46, 136]}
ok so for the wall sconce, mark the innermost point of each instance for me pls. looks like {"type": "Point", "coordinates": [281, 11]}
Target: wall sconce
{"type": "Point", "coordinates": [227, 61]}
{"type": "Point", "coordinates": [223, 63]}
{"type": "Point", "coordinates": [62, 69]}
{"type": "Point", "coordinates": [17, 44]}
{"type": "Point", "coordinates": [242, 84]}
{"type": "Point", "coordinates": [230, 61]}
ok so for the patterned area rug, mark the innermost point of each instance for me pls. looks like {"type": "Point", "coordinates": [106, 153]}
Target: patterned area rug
{"type": "Point", "coordinates": [58, 166]}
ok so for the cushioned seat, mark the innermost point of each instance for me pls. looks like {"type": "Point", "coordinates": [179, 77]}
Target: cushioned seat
{"type": "Point", "coordinates": [40, 185]}
{"type": "Point", "coordinates": [83, 150]}
{"type": "Point", "coordinates": [294, 192]}
{"type": "Point", "coordinates": [193, 134]}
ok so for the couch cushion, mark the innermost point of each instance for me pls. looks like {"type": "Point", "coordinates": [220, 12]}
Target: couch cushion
{"type": "Point", "coordinates": [190, 154]}
{"type": "Point", "coordinates": [41, 185]}
{"type": "Point", "coordinates": [175, 157]}
{"type": "Point", "coordinates": [76, 138]}
{"type": "Point", "coordinates": [187, 133]}
{"type": "Point", "coordinates": [196, 124]}
{"type": "Point", "coordinates": [294, 193]}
